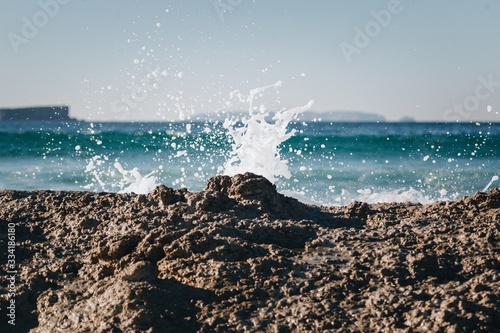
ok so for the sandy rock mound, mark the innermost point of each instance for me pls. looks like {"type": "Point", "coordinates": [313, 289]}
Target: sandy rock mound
{"type": "Point", "coordinates": [239, 256]}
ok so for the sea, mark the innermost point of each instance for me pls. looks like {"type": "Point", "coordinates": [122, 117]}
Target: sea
{"type": "Point", "coordinates": [317, 162]}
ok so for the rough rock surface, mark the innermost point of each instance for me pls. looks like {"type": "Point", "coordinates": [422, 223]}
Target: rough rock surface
{"type": "Point", "coordinates": [241, 257]}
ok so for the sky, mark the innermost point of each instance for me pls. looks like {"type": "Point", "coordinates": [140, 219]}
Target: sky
{"type": "Point", "coordinates": [171, 60]}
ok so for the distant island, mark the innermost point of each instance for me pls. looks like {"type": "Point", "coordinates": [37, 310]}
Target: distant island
{"type": "Point", "coordinates": [342, 116]}
{"type": "Point", "coordinates": [35, 113]}
{"type": "Point", "coordinates": [331, 116]}
{"type": "Point", "coordinates": [408, 119]}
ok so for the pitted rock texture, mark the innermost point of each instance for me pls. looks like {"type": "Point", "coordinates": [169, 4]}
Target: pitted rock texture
{"type": "Point", "coordinates": [239, 257]}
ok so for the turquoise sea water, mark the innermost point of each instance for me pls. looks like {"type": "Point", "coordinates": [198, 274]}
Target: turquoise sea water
{"type": "Point", "coordinates": [329, 163]}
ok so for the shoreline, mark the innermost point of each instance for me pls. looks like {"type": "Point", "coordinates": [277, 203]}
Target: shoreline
{"type": "Point", "coordinates": [239, 256]}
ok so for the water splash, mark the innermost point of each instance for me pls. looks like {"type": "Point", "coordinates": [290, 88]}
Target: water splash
{"type": "Point", "coordinates": [256, 143]}
{"type": "Point", "coordinates": [493, 179]}
{"type": "Point", "coordinates": [371, 197]}
{"type": "Point", "coordinates": [398, 195]}
{"type": "Point", "coordinates": [125, 181]}
{"type": "Point", "coordinates": [93, 170]}
{"type": "Point", "coordinates": [133, 181]}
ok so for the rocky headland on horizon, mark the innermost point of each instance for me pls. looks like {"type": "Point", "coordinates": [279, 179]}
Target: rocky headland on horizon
{"type": "Point", "coordinates": [36, 113]}
{"type": "Point", "coordinates": [239, 256]}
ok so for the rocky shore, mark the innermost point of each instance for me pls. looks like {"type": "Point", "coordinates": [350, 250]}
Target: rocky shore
{"type": "Point", "coordinates": [238, 256]}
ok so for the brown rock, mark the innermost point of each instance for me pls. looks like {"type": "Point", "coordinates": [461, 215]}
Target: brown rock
{"type": "Point", "coordinates": [239, 256]}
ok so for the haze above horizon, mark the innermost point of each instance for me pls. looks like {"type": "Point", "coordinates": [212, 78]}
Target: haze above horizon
{"type": "Point", "coordinates": [169, 60]}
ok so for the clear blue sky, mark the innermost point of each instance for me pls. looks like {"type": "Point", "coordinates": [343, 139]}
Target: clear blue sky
{"type": "Point", "coordinates": [150, 60]}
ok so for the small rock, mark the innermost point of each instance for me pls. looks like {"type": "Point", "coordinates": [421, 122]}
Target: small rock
{"type": "Point", "coordinates": [140, 271]}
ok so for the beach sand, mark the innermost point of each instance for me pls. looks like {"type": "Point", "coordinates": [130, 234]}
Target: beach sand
{"type": "Point", "coordinates": [238, 256]}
